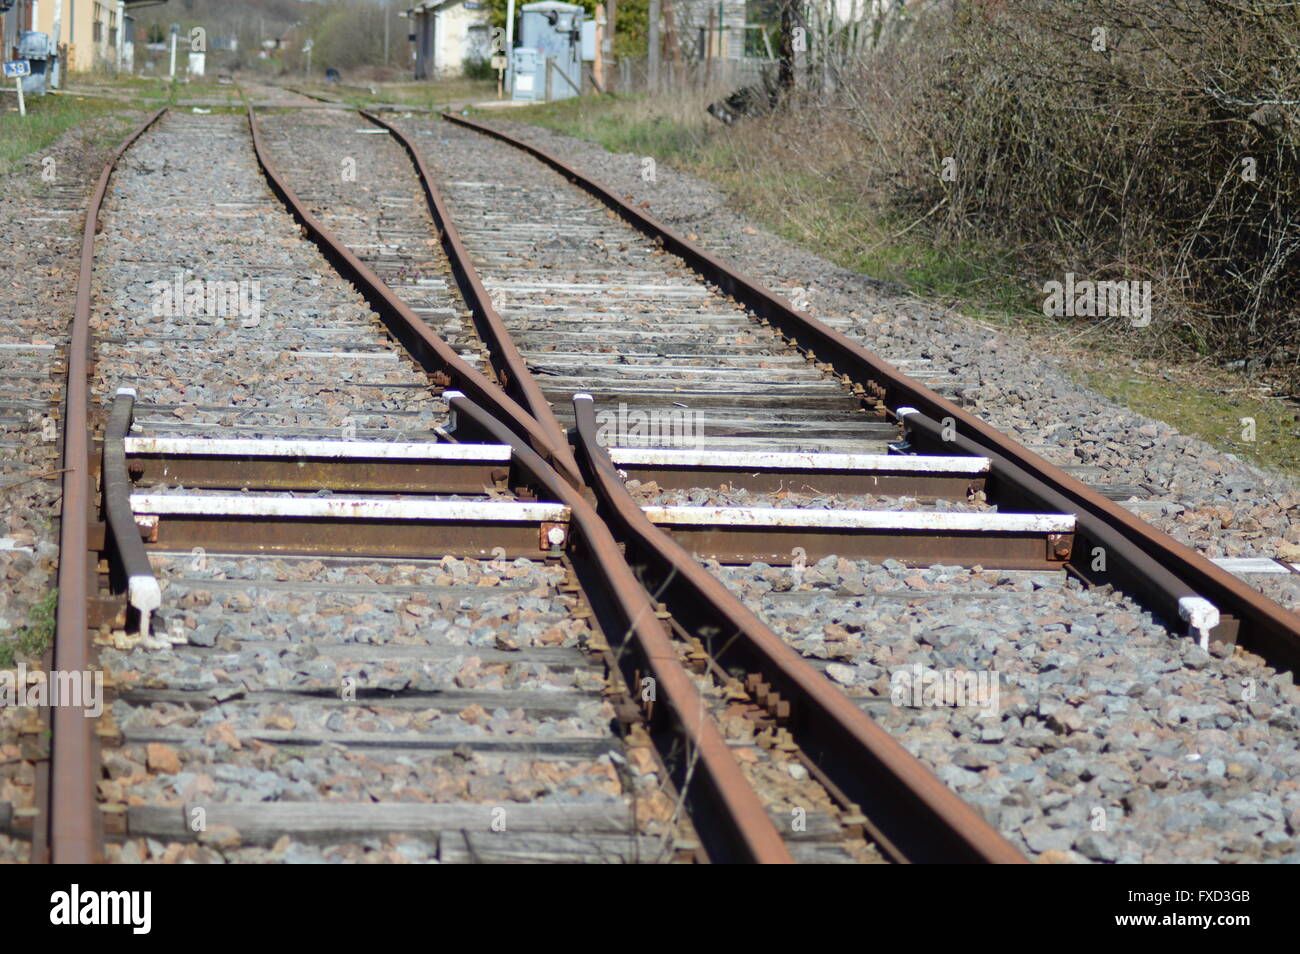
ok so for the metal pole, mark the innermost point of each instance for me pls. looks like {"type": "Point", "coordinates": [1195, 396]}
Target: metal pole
{"type": "Point", "coordinates": [652, 47]}
{"type": "Point", "coordinates": [18, 86]}
{"type": "Point", "coordinates": [173, 67]}
{"type": "Point", "coordinates": [386, 17]}
{"type": "Point", "coordinates": [510, 27]}
{"type": "Point", "coordinates": [611, 17]}
{"type": "Point", "coordinates": [57, 29]}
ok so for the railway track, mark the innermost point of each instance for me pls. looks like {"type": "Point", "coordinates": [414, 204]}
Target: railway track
{"type": "Point", "coordinates": [283, 689]}
{"type": "Point", "coordinates": [570, 524]}
{"type": "Point", "coordinates": [783, 527]}
{"type": "Point", "coordinates": [336, 621]}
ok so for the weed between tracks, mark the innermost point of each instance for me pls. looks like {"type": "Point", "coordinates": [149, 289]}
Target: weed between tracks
{"type": "Point", "coordinates": [33, 639]}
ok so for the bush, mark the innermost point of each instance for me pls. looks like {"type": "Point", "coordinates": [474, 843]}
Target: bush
{"type": "Point", "coordinates": [479, 68]}
{"type": "Point", "coordinates": [1112, 138]}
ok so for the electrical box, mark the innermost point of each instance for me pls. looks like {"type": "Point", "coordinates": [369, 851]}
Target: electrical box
{"type": "Point", "coordinates": [36, 49]}
{"type": "Point", "coordinates": [547, 63]}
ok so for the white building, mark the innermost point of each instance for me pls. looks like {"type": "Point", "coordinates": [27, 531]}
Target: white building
{"type": "Point", "coordinates": [448, 33]}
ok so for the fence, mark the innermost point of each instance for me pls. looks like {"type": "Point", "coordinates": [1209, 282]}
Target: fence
{"type": "Point", "coordinates": [720, 73]}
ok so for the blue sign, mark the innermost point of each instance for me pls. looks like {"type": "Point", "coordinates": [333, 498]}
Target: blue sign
{"type": "Point", "coordinates": [18, 68]}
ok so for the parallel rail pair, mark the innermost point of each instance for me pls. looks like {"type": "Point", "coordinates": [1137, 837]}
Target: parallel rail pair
{"type": "Point", "coordinates": [909, 813]}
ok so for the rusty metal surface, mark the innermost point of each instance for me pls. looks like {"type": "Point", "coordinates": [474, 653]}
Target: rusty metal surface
{"type": "Point", "coordinates": [379, 538]}
{"type": "Point", "coordinates": [1265, 627]}
{"type": "Point", "coordinates": [72, 830]}
{"type": "Point", "coordinates": [914, 816]}
{"type": "Point", "coordinates": [220, 472]}
{"type": "Point", "coordinates": [738, 828]}
{"type": "Point", "coordinates": [511, 368]}
{"type": "Point", "coordinates": [713, 784]}
{"type": "Point", "coordinates": [774, 546]}
{"type": "Point", "coordinates": [425, 347]}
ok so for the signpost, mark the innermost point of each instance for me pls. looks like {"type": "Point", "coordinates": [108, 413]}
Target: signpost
{"type": "Point", "coordinates": [499, 63]}
{"type": "Point", "coordinates": [18, 69]}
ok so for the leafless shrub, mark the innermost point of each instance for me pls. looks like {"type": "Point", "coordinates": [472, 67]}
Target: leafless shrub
{"type": "Point", "coordinates": [1117, 138]}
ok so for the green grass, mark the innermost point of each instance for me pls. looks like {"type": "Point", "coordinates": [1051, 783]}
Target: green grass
{"type": "Point", "coordinates": [34, 638]}
{"type": "Point", "coordinates": [435, 95]}
{"type": "Point", "coordinates": [820, 212]}
{"type": "Point", "coordinates": [1210, 414]}
{"type": "Point", "coordinates": [48, 117]}
{"type": "Point", "coordinates": [835, 217]}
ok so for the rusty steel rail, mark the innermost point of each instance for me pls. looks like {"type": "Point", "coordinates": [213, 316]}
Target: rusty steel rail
{"type": "Point", "coordinates": [424, 346]}
{"type": "Point", "coordinates": [71, 832]}
{"type": "Point", "coordinates": [1152, 566]}
{"type": "Point", "coordinates": [736, 827]}
{"type": "Point", "coordinates": [509, 364]}
{"type": "Point", "coordinates": [912, 815]}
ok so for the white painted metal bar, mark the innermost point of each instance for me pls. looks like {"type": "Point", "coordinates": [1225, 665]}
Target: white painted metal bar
{"type": "Point", "coordinates": [335, 450]}
{"type": "Point", "coordinates": [921, 520]}
{"type": "Point", "coordinates": [1250, 566]}
{"type": "Point", "coordinates": [239, 505]}
{"type": "Point", "coordinates": [759, 460]}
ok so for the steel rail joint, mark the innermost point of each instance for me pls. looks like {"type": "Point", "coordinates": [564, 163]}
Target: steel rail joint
{"type": "Point", "coordinates": [1266, 627]}
{"type": "Point", "coordinates": [895, 785]}
{"type": "Point", "coordinates": [71, 831]}
{"type": "Point", "coordinates": [511, 367]}
{"type": "Point", "coordinates": [730, 801]}
{"type": "Point", "coordinates": [426, 347]}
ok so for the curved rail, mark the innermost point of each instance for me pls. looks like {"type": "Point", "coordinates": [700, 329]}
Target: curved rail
{"type": "Point", "coordinates": [70, 830]}
{"type": "Point", "coordinates": [739, 828]}
{"type": "Point", "coordinates": [434, 354]}
{"type": "Point", "coordinates": [511, 369]}
{"type": "Point", "coordinates": [1152, 566]}
{"type": "Point", "coordinates": [911, 814]}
